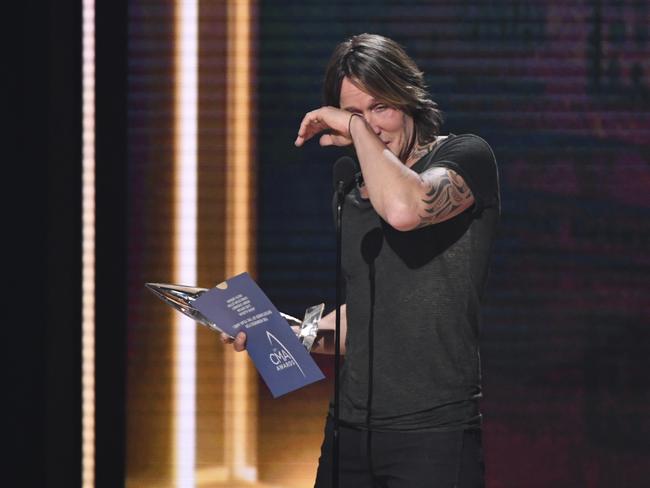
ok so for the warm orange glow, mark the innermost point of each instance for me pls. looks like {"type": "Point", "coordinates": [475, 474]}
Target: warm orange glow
{"type": "Point", "coordinates": [239, 137]}
{"type": "Point", "coordinates": [240, 428]}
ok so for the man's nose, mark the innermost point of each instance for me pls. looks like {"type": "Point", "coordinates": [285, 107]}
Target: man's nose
{"type": "Point", "coordinates": [372, 122]}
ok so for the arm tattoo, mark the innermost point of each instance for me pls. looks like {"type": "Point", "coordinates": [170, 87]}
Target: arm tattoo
{"type": "Point", "coordinates": [447, 196]}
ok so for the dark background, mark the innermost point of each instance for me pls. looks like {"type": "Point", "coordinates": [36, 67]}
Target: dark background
{"type": "Point", "coordinates": [561, 92]}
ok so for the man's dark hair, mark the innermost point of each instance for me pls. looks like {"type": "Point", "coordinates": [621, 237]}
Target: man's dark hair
{"type": "Point", "coordinates": [380, 67]}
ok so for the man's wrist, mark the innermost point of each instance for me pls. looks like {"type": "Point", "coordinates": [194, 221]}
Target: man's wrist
{"type": "Point", "coordinates": [352, 116]}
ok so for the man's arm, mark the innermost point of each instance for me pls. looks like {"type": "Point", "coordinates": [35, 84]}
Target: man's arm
{"type": "Point", "coordinates": [403, 198]}
{"type": "Point", "coordinates": [446, 195]}
{"type": "Point", "coordinates": [324, 343]}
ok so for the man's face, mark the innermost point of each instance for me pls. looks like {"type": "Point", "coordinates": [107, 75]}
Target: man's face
{"type": "Point", "coordinates": [391, 125]}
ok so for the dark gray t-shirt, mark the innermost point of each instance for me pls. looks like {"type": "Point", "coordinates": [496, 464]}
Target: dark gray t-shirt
{"type": "Point", "coordinates": [413, 304]}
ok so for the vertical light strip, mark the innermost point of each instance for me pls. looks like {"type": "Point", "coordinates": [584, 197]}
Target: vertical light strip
{"type": "Point", "coordinates": [240, 428]}
{"type": "Point", "coordinates": [239, 118]}
{"type": "Point", "coordinates": [185, 235]}
{"type": "Point", "coordinates": [88, 246]}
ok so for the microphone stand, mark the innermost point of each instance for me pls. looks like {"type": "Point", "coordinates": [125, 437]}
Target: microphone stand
{"type": "Point", "coordinates": [343, 176]}
{"type": "Point", "coordinates": [340, 195]}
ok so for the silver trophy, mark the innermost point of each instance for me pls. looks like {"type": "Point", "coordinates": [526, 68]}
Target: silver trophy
{"type": "Point", "coordinates": [181, 297]}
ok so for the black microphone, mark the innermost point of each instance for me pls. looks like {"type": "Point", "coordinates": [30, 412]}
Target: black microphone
{"type": "Point", "coordinates": [345, 170]}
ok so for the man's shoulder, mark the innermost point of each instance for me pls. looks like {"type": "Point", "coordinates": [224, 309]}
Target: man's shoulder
{"type": "Point", "coordinates": [467, 139]}
{"type": "Point", "coordinates": [470, 156]}
{"type": "Point", "coordinates": [459, 148]}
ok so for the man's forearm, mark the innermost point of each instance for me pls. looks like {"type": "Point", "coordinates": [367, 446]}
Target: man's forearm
{"type": "Point", "coordinates": [392, 187]}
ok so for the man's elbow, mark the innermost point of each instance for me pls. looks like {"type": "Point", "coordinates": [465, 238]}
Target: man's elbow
{"type": "Point", "coordinates": [402, 218]}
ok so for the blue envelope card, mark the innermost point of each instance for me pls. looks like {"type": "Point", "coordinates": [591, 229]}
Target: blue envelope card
{"type": "Point", "coordinates": [239, 304]}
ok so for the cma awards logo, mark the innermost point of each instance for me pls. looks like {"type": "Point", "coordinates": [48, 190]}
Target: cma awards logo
{"type": "Point", "coordinates": [280, 357]}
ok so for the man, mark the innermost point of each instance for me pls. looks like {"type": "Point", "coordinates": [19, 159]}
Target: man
{"type": "Point", "coordinates": [417, 236]}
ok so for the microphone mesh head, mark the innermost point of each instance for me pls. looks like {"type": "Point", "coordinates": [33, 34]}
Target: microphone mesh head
{"type": "Point", "coordinates": [344, 172]}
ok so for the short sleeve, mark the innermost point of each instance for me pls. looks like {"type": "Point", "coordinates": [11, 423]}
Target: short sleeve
{"type": "Point", "coordinates": [472, 158]}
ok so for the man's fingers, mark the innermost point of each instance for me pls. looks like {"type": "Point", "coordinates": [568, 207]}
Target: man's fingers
{"type": "Point", "coordinates": [308, 122]}
{"type": "Point", "coordinates": [334, 140]}
{"type": "Point", "coordinates": [312, 123]}
{"type": "Point", "coordinates": [240, 342]}
{"type": "Point", "coordinates": [326, 140]}
{"type": "Point", "coordinates": [302, 137]}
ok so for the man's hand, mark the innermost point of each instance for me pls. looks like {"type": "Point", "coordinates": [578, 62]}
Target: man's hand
{"type": "Point", "coordinates": [331, 119]}
{"type": "Point", "coordinates": [238, 343]}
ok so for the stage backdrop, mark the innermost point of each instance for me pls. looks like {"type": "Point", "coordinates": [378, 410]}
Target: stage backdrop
{"type": "Point", "coordinates": [561, 90]}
